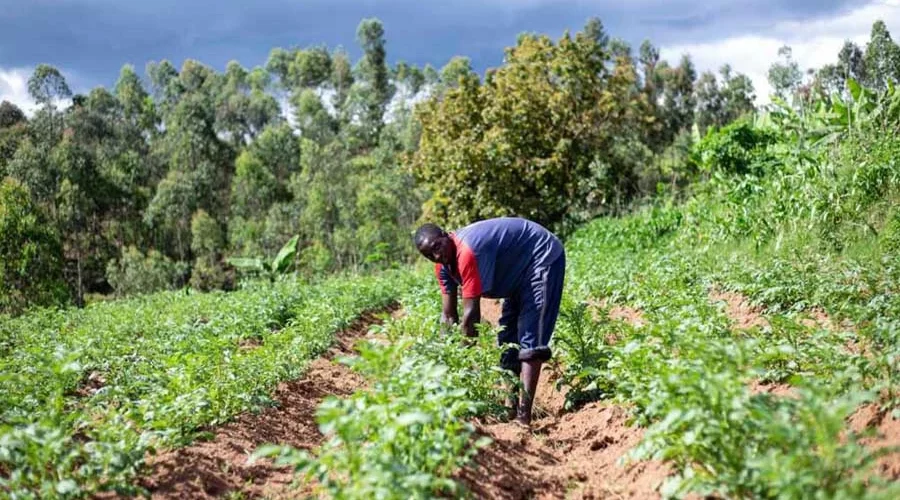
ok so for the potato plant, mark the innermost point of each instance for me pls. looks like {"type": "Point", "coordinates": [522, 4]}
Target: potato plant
{"type": "Point", "coordinates": [86, 394]}
{"type": "Point", "coordinates": [410, 431]}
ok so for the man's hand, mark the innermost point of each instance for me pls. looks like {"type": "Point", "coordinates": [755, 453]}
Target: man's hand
{"type": "Point", "coordinates": [449, 314]}
{"type": "Point", "coordinates": [471, 316]}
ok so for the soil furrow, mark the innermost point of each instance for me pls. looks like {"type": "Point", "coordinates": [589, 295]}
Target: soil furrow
{"type": "Point", "coordinates": [219, 466]}
{"type": "Point", "coordinates": [564, 455]}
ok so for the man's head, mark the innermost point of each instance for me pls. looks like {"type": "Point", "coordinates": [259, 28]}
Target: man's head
{"type": "Point", "coordinates": [435, 244]}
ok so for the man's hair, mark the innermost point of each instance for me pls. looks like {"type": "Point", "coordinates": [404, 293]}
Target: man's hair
{"type": "Point", "coordinates": [427, 231]}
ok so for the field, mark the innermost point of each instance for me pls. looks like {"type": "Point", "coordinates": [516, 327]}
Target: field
{"type": "Point", "coordinates": [738, 340]}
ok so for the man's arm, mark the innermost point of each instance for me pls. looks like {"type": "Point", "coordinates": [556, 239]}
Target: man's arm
{"type": "Point", "coordinates": [471, 316]}
{"type": "Point", "coordinates": [449, 314]}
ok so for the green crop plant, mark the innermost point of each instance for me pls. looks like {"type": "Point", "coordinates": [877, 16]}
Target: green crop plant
{"type": "Point", "coordinates": [86, 394]}
{"type": "Point", "coordinates": [281, 263]}
{"type": "Point", "coordinates": [406, 435]}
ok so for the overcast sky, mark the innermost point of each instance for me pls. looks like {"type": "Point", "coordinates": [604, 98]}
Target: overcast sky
{"type": "Point", "coordinates": [90, 40]}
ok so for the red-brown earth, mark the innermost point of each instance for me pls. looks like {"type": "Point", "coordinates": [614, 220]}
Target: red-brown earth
{"type": "Point", "coordinates": [219, 466]}
{"type": "Point", "coordinates": [565, 454]}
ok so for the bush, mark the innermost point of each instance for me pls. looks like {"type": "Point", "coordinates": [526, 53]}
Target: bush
{"type": "Point", "coordinates": [739, 148]}
{"type": "Point", "coordinates": [209, 274]}
{"type": "Point", "coordinates": [31, 272]}
{"type": "Point", "coordinates": [136, 273]}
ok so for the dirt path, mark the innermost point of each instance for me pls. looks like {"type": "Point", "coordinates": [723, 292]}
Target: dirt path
{"type": "Point", "coordinates": [218, 467]}
{"type": "Point", "coordinates": [564, 455]}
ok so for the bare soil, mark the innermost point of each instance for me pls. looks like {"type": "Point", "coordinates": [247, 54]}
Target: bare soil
{"type": "Point", "coordinates": [564, 454]}
{"type": "Point", "coordinates": [780, 390]}
{"type": "Point", "coordinates": [739, 310]}
{"type": "Point", "coordinates": [618, 312]}
{"type": "Point", "coordinates": [220, 466]}
{"type": "Point", "coordinates": [887, 434]}
{"type": "Point", "coordinates": [577, 454]}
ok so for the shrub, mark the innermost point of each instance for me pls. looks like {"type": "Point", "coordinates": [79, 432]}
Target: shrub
{"type": "Point", "coordinates": [738, 148]}
{"type": "Point", "coordinates": [136, 273]}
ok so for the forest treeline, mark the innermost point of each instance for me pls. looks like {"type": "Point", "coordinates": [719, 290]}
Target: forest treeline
{"type": "Point", "coordinates": [175, 178]}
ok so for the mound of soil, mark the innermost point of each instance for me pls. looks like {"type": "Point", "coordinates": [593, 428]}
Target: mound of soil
{"type": "Point", "coordinates": [739, 310]}
{"type": "Point", "coordinates": [618, 312]}
{"type": "Point", "coordinates": [563, 455]}
{"type": "Point", "coordinates": [887, 435]}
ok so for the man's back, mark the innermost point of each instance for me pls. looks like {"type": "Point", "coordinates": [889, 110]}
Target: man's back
{"type": "Point", "coordinates": [504, 248]}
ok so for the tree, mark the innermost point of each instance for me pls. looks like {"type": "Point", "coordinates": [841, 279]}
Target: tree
{"type": "Point", "coordinates": [653, 87]}
{"type": "Point", "coordinates": [852, 63]}
{"type": "Point", "coordinates": [457, 68]}
{"type": "Point", "coordinates": [595, 31]}
{"type": "Point", "coordinates": [679, 102]}
{"type": "Point", "coordinates": [13, 131]}
{"type": "Point", "coordinates": [710, 102]}
{"type": "Point", "coordinates": [737, 93]}
{"type": "Point", "coordinates": [619, 49]}
{"type": "Point", "coordinates": [408, 78]}
{"type": "Point", "coordinates": [494, 149]}
{"type": "Point", "coordinates": [253, 188]}
{"type": "Point", "coordinates": [279, 64]}
{"type": "Point", "coordinates": [165, 84]}
{"type": "Point", "coordinates": [135, 102]}
{"type": "Point", "coordinates": [243, 108]}
{"type": "Point", "coordinates": [373, 86]}
{"type": "Point", "coordinates": [341, 78]}
{"type": "Point", "coordinates": [312, 118]}
{"type": "Point", "coordinates": [882, 57]}
{"type": "Point", "coordinates": [47, 85]}
{"type": "Point", "coordinates": [310, 68]}
{"type": "Point", "coordinates": [278, 149]}
{"type": "Point", "coordinates": [10, 115]}
{"type": "Point", "coordinates": [432, 77]}
{"type": "Point", "coordinates": [785, 76]}
{"type": "Point", "coordinates": [135, 272]}
{"type": "Point", "coordinates": [31, 272]}
{"type": "Point", "coordinates": [649, 58]}
{"type": "Point", "coordinates": [721, 103]}
{"type": "Point", "coordinates": [207, 241]}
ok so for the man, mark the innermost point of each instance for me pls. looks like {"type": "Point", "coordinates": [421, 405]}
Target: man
{"type": "Point", "coordinates": [510, 258]}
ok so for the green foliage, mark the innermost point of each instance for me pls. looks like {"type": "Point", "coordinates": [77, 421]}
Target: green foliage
{"type": "Point", "coordinates": [493, 149]}
{"type": "Point", "coordinates": [785, 76]}
{"type": "Point", "coordinates": [407, 434]}
{"type": "Point", "coordinates": [372, 89]}
{"type": "Point", "coordinates": [134, 272]}
{"type": "Point", "coordinates": [47, 85]}
{"type": "Point", "coordinates": [810, 229]}
{"type": "Point", "coordinates": [562, 131]}
{"type": "Point", "coordinates": [208, 274]}
{"type": "Point", "coordinates": [738, 148]}
{"type": "Point", "coordinates": [86, 395]}
{"type": "Point", "coordinates": [253, 188]}
{"type": "Point", "coordinates": [882, 57]}
{"type": "Point", "coordinates": [206, 235]}
{"type": "Point", "coordinates": [10, 115]}
{"type": "Point", "coordinates": [281, 264]}
{"type": "Point", "coordinates": [30, 254]}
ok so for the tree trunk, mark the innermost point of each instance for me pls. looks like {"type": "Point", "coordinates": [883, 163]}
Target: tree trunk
{"type": "Point", "coordinates": [79, 297]}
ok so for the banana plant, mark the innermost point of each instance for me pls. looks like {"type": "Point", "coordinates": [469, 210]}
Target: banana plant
{"type": "Point", "coordinates": [827, 123]}
{"type": "Point", "coordinates": [281, 264]}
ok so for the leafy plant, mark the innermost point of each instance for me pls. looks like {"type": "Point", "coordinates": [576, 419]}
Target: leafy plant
{"type": "Point", "coordinates": [280, 264]}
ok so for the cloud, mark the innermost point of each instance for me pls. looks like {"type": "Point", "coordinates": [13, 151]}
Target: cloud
{"type": "Point", "coordinates": [14, 88]}
{"type": "Point", "coordinates": [110, 33]}
{"type": "Point", "coordinates": [814, 43]}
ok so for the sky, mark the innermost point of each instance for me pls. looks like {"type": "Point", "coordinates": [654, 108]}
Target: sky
{"type": "Point", "coordinates": [90, 40]}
